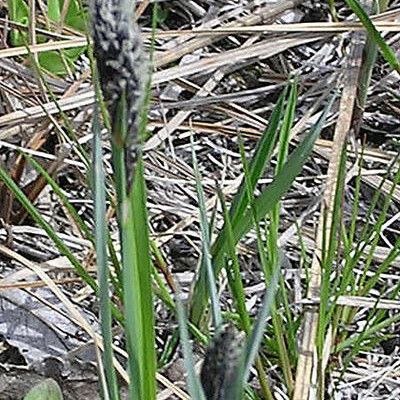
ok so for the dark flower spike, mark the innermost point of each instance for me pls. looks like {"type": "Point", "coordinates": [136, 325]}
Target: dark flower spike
{"type": "Point", "coordinates": [221, 362]}
{"type": "Point", "coordinates": [121, 66]}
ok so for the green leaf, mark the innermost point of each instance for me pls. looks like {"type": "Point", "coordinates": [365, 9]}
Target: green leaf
{"type": "Point", "coordinates": [51, 61]}
{"type": "Point", "coordinates": [18, 12]}
{"type": "Point", "coordinates": [54, 10]}
{"type": "Point", "coordinates": [75, 16]}
{"type": "Point", "coordinates": [55, 62]}
{"type": "Point", "coordinates": [388, 54]}
{"type": "Point", "coordinates": [46, 390]}
{"type": "Point", "coordinates": [101, 239]}
{"type": "Point", "coordinates": [206, 265]}
{"type": "Point", "coordinates": [138, 296]}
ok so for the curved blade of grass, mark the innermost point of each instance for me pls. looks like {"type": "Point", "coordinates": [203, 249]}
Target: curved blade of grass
{"type": "Point", "coordinates": [239, 379]}
{"type": "Point", "coordinates": [27, 204]}
{"type": "Point", "coordinates": [62, 248]}
{"type": "Point", "coordinates": [101, 239]}
{"type": "Point", "coordinates": [326, 309]}
{"type": "Point", "coordinates": [206, 266]}
{"type": "Point", "coordinates": [388, 54]}
{"type": "Point", "coordinates": [376, 231]}
{"type": "Point", "coordinates": [262, 156]}
{"type": "Point", "coordinates": [270, 263]}
{"type": "Point", "coordinates": [370, 332]}
{"type": "Point", "coordinates": [194, 385]}
{"type": "Point", "coordinates": [288, 118]}
{"type": "Point", "coordinates": [233, 270]}
{"type": "Point", "coordinates": [84, 230]}
{"type": "Point", "coordinates": [282, 337]}
{"type": "Point", "coordinates": [237, 289]}
{"type": "Point", "coordinates": [367, 234]}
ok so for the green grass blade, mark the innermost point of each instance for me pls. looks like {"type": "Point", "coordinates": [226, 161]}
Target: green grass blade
{"type": "Point", "coordinates": [233, 270]}
{"type": "Point", "coordinates": [194, 385]}
{"type": "Point", "coordinates": [138, 296]}
{"type": "Point", "coordinates": [371, 331]}
{"type": "Point", "coordinates": [328, 289]}
{"type": "Point", "coordinates": [238, 294]}
{"type": "Point", "coordinates": [240, 202]}
{"type": "Point", "coordinates": [62, 248]}
{"type": "Point", "coordinates": [101, 239]}
{"type": "Point", "coordinates": [27, 204]}
{"type": "Point", "coordinates": [238, 382]}
{"type": "Point", "coordinates": [260, 160]}
{"type": "Point", "coordinates": [281, 335]}
{"type": "Point", "coordinates": [288, 118]}
{"type": "Point", "coordinates": [206, 266]}
{"type": "Point", "coordinates": [83, 228]}
{"type": "Point", "coordinates": [388, 54]}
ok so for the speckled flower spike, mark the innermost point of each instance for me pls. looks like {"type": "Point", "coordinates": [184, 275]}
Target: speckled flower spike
{"type": "Point", "coordinates": [120, 62]}
{"type": "Point", "coordinates": [221, 362]}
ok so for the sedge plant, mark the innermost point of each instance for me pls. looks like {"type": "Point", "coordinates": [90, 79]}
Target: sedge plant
{"type": "Point", "coordinates": [120, 63]}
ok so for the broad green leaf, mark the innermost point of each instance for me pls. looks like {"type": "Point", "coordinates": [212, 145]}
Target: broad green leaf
{"type": "Point", "coordinates": [54, 8]}
{"type": "Point", "coordinates": [75, 16]}
{"type": "Point", "coordinates": [55, 62]}
{"type": "Point", "coordinates": [46, 390]}
{"type": "Point", "coordinates": [52, 62]}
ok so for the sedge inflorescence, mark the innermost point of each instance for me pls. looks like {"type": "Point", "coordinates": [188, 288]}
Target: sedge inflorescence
{"type": "Point", "coordinates": [120, 63]}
